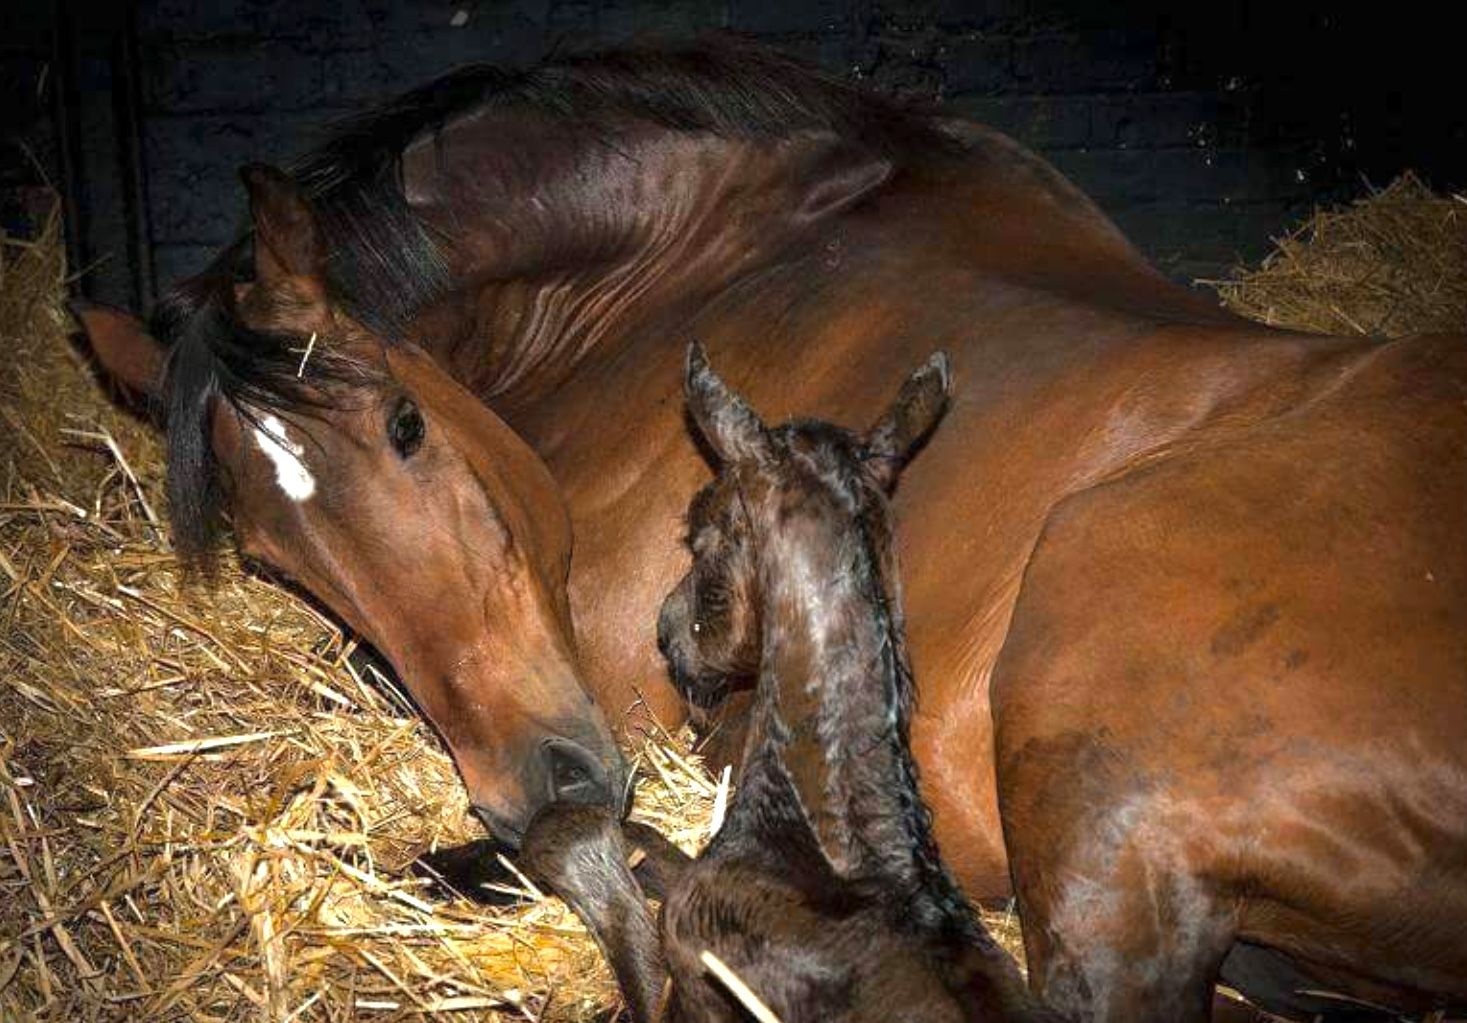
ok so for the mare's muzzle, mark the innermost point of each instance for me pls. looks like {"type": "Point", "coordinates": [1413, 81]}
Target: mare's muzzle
{"type": "Point", "coordinates": [563, 771]}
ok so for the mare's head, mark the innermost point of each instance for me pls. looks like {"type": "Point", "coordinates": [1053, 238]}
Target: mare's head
{"type": "Point", "coordinates": [348, 462]}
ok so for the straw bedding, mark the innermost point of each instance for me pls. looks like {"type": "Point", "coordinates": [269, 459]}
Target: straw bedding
{"type": "Point", "coordinates": [1391, 264]}
{"type": "Point", "coordinates": [206, 812]}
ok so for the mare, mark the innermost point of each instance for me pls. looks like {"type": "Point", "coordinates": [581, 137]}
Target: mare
{"type": "Point", "coordinates": [823, 891]}
{"type": "Point", "coordinates": [1196, 557]}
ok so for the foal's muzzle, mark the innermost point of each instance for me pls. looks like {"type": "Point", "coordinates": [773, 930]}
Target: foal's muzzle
{"type": "Point", "coordinates": [700, 688]}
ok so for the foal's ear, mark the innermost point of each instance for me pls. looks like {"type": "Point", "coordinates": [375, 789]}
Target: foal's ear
{"type": "Point", "coordinates": [897, 435]}
{"type": "Point", "coordinates": [129, 354]}
{"type": "Point", "coordinates": [288, 241]}
{"type": "Point", "coordinates": [730, 426]}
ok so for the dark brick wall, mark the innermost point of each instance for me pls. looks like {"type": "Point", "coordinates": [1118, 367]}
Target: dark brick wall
{"type": "Point", "coordinates": [1202, 128]}
{"type": "Point", "coordinates": [28, 139]}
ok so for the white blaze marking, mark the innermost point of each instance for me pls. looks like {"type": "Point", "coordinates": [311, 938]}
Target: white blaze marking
{"type": "Point", "coordinates": [290, 472]}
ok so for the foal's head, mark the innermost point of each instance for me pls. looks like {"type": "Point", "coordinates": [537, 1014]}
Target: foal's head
{"type": "Point", "coordinates": [794, 578]}
{"type": "Point", "coordinates": [807, 496]}
{"type": "Point", "coordinates": [346, 460]}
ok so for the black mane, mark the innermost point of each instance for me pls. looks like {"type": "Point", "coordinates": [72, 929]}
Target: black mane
{"type": "Point", "coordinates": [385, 264]}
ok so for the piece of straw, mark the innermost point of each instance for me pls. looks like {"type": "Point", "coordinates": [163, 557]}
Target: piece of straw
{"type": "Point", "coordinates": [736, 987]}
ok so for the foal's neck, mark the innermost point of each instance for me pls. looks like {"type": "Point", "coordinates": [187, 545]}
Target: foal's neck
{"type": "Point", "coordinates": [835, 699]}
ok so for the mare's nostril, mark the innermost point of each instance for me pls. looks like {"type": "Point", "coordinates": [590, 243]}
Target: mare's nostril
{"type": "Point", "coordinates": [575, 775]}
{"type": "Point", "coordinates": [499, 828]}
{"type": "Point", "coordinates": [569, 774]}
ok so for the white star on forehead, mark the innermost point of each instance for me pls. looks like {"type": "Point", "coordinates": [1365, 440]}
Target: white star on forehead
{"type": "Point", "coordinates": [290, 471]}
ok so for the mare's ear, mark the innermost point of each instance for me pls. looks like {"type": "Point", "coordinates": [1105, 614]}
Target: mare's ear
{"type": "Point", "coordinates": [839, 177]}
{"type": "Point", "coordinates": [579, 853]}
{"type": "Point", "coordinates": [897, 435]}
{"type": "Point", "coordinates": [288, 245]}
{"type": "Point", "coordinates": [730, 426]}
{"type": "Point", "coordinates": [130, 355]}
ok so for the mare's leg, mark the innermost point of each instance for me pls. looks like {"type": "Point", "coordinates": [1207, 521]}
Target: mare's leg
{"type": "Point", "coordinates": [1118, 928]}
{"type": "Point", "coordinates": [1108, 785]}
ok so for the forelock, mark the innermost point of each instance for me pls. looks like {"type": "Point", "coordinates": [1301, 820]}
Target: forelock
{"type": "Point", "coordinates": [820, 454]}
{"type": "Point", "coordinates": [214, 358]}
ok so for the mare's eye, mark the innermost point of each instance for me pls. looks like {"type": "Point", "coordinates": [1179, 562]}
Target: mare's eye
{"type": "Point", "coordinates": [406, 428]}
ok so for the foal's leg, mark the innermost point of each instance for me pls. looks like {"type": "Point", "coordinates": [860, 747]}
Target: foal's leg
{"type": "Point", "coordinates": [656, 863]}
{"type": "Point", "coordinates": [725, 732]}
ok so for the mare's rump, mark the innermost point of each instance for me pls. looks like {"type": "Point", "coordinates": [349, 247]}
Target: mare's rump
{"type": "Point", "coordinates": [1244, 666]}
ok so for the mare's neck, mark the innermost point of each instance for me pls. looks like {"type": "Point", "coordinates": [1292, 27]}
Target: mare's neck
{"type": "Point", "coordinates": [560, 244]}
{"type": "Point", "coordinates": [564, 246]}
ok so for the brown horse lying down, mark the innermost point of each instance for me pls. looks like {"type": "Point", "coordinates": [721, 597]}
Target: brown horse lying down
{"type": "Point", "coordinates": [823, 891]}
{"type": "Point", "coordinates": [1189, 596]}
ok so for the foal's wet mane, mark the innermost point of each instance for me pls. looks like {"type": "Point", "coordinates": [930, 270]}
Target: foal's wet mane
{"type": "Point", "coordinates": [385, 264]}
{"type": "Point", "coordinates": [904, 862]}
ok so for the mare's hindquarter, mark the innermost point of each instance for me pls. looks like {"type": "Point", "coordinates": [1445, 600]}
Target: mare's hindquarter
{"type": "Point", "coordinates": [1233, 701]}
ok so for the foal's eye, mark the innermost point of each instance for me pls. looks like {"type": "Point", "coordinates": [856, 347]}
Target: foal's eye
{"type": "Point", "coordinates": [406, 428]}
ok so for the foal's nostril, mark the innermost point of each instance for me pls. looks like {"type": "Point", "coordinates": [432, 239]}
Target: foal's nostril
{"type": "Point", "coordinates": [576, 776]}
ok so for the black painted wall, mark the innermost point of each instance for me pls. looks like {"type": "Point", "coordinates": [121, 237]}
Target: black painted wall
{"type": "Point", "coordinates": [1202, 128]}
{"type": "Point", "coordinates": [29, 141]}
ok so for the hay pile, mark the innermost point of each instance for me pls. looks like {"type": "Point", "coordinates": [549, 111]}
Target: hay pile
{"type": "Point", "coordinates": [205, 813]}
{"type": "Point", "coordinates": [1391, 264]}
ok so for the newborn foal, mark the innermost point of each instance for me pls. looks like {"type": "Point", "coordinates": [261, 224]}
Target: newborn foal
{"type": "Point", "coordinates": [823, 891]}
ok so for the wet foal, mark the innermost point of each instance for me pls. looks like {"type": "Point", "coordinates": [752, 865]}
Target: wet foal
{"type": "Point", "coordinates": [823, 891]}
